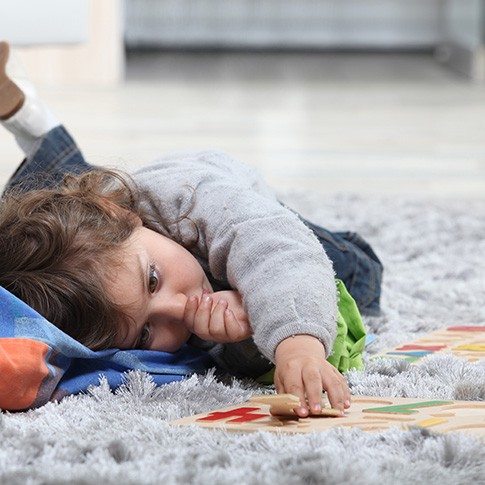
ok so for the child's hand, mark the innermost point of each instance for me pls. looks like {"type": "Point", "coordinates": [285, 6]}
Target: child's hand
{"type": "Point", "coordinates": [219, 317]}
{"type": "Point", "coordinates": [301, 369]}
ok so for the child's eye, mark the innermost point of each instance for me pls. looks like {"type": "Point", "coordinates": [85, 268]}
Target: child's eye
{"type": "Point", "coordinates": [153, 279]}
{"type": "Point", "coordinates": [144, 337]}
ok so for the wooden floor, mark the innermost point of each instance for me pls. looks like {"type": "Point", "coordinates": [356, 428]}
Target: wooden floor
{"type": "Point", "coordinates": [353, 123]}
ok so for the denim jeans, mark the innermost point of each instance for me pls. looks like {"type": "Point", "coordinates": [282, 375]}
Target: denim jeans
{"type": "Point", "coordinates": [354, 261]}
{"type": "Point", "coordinates": [53, 156]}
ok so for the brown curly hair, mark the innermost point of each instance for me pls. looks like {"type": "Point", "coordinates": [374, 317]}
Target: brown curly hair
{"type": "Point", "coordinates": [56, 243]}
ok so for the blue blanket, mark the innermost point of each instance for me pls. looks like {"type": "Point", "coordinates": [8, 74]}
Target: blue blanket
{"type": "Point", "coordinates": [39, 362]}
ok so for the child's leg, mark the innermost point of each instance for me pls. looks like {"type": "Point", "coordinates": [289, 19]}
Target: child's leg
{"type": "Point", "coordinates": [50, 151]}
{"type": "Point", "coordinates": [53, 155]}
{"type": "Point", "coordinates": [356, 264]}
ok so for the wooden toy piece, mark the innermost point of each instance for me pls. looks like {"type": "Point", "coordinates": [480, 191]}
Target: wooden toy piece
{"type": "Point", "coordinates": [405, 408]}
{"type": "Point", "coordinates": [472, 347]}
{"type": "Point", "coordinates": [428, 423]}
{"type": "Point", "coordinates": [284, 405]}
{"type": "Point", "coordinates": [366, 413]}
{"type": "Point", "coordinates": [465, 342]}
{"type": "Point", "coordinates": [279, 404]}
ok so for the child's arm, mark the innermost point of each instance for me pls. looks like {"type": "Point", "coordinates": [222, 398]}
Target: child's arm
{"type": "Point", "coordinates": [248, 240]}
{"type": "Point", "coordinates": [301, 366]}
{"type": "Point", "coordinates": [219, 317]}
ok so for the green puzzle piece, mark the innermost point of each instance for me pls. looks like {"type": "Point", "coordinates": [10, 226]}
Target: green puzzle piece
{"type": "Point", "coordinates": [406, 408]}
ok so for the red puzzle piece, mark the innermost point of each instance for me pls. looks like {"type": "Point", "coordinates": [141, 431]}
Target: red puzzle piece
{"type": "Point", "coordinates": [243, 414]}
{"type": "Point", "coordinates": [431, 348]}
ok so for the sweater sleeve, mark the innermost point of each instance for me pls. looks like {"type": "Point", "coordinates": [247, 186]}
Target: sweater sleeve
{"type": "Point", "coordinates": [261, 248]}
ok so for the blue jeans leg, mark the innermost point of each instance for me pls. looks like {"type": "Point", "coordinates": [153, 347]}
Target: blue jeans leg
{"type": "Point", "coordinates": [55, 155]}
{"type": "Point", "coordinates": [356, 264]}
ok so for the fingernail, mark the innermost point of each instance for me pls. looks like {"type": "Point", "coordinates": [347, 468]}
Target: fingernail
{"type": "Point", "coordinates": [207, 298]}
{"type": "Point", "coordinates": [347, 403]}
{"type": "Point", "coordinates": [302, 411]}
{"type": "Point", "coordinates": [316, 409]}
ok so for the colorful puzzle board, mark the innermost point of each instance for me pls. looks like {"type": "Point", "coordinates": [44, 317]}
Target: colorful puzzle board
{"type": "Point", "coordinates": [366, 413]}
{"type": "Point", "coordinates": [465, 342]}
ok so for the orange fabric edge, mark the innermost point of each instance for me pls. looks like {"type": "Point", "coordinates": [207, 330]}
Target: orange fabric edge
{"type": "Point", "coordinates": [22, 369]}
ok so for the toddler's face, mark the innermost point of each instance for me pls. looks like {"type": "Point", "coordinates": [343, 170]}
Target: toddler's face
{"type": "Point", "coordinates": [156, 278]}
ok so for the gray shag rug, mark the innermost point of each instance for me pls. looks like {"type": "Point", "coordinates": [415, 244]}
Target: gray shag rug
{"type": "Point", "coordinates": [433, 252]}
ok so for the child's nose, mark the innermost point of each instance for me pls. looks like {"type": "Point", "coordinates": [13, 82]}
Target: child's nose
{"type": "Point", "coordinates": [170, 309]}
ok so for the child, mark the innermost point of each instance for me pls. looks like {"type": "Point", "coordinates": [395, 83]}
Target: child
{"type": "Point", "coordinates": [195, 248]}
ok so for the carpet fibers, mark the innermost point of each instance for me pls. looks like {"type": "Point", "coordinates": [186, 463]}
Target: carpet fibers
{"type": "Point", "coordinates": [433, 256]}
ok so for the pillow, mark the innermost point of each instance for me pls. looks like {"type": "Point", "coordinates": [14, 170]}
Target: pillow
{"type": "Point", "coordinates": [40, 363]}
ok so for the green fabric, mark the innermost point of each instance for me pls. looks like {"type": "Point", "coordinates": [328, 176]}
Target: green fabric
{"type": "Point", "coordinates": [350, 341]}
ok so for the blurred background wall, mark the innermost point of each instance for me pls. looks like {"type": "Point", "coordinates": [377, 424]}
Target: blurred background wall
{"type": "Point", "coordinates": [319, 24]}
{"type": "Point", "coordinates": [372, 97]}
{"type": "Point", "coordinates": [84, 41]}
{"type": "Point", "coordinates": [67, 41]}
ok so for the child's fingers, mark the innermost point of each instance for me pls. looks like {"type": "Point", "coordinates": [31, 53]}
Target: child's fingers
{"type": "Point", "coordinates": [201, 318]}
{"type": "Point", "coordinates": [214, 322]}
{"type": "Point", "coordinates": [307, 381]}
{"type": "Point", "coordinates": [344, 386]}
{"type": "Point", "coordinates": [235, 329]}
{"type": "Point", "coordinates": [189, 313]}
{"type": "Point", "coordinates": [278, 385]}
{"type": "Point", "coordinates": [217, 327]}
{"type": "Point", "coordinates": [312, 381]}
{"type": "Point", "coordinates": [292, 383]}
{"type": "Point", "coordinates": [225, 327]}
{"type": "Point", "coordinates": [337, 389]}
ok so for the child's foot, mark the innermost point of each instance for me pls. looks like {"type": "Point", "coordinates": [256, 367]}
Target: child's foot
{"type": "Point", "coordinates": [11, 96]}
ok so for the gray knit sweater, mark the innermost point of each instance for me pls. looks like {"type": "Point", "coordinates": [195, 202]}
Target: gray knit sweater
{"type": "Point", "coordinates": [249, 240]}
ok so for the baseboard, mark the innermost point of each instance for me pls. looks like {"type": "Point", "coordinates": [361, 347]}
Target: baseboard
{"type": "Point", "coordinates": [465, 60]}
